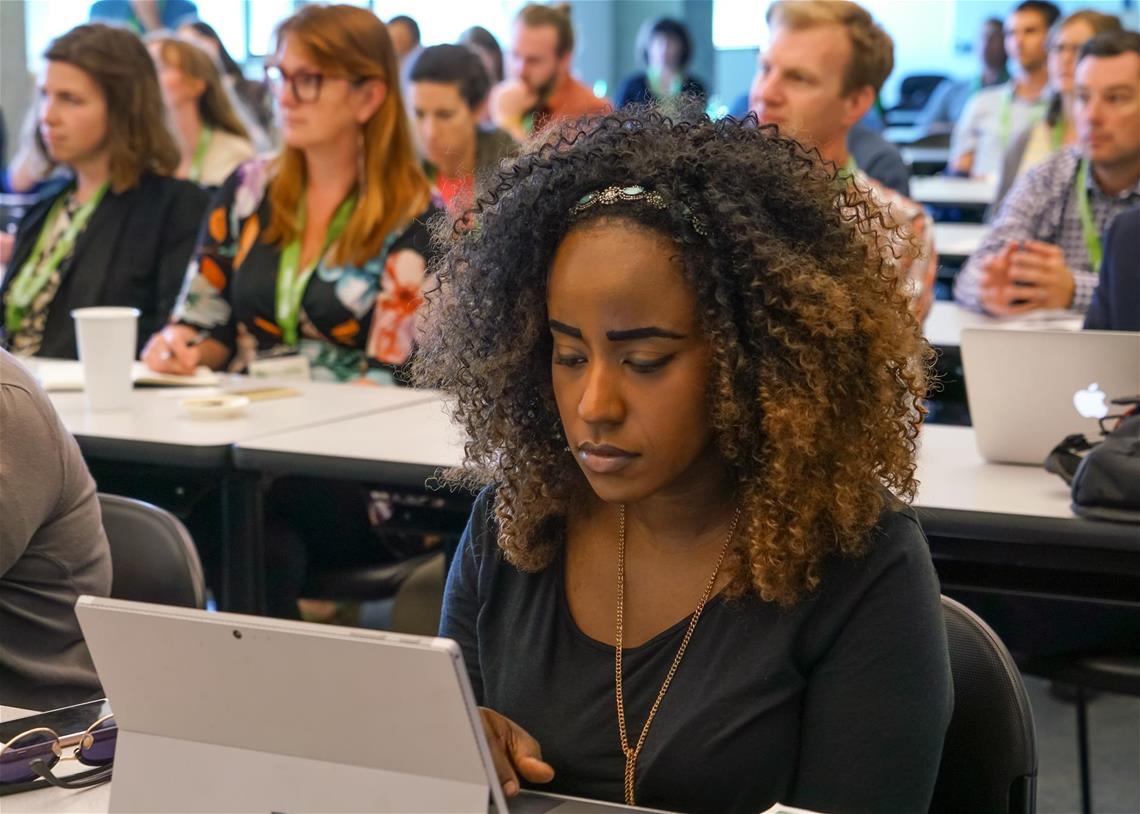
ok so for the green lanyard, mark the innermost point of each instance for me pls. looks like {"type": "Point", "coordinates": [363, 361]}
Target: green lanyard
{"type": "Point", "coordinates": [653, 79]}
{"type": "Point", "coordinates": [35, 273]}
{"type": "Point", "coordinates": [291, 282]}
{"type": "Point", "coordinates": [846, 174]}
{"type": "Point", "coordinates": [205, 136]}
{"type": "Point", "coordinates": [1057, 137]}
{"type": "Point", "coordinates": [1005, 115]}
{"type": "Point", "coordinates": [1088, 227]}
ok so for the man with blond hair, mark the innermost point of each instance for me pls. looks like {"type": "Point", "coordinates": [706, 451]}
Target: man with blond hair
{"type": "Point", "coordinates": [824, 66]}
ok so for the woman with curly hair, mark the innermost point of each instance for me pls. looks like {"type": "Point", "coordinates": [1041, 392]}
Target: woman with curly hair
{"type": "Point", "coordinates": [691, 379]}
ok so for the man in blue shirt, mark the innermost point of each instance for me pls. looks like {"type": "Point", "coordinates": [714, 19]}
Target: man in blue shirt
{"type": "Point", "coordinates": [1115, 304]}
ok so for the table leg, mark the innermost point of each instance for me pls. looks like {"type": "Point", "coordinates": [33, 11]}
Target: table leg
{"type": "Point", "coordinates": [243, 544]}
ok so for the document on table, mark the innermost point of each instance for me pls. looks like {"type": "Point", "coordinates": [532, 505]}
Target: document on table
{"type": "Point", "coordinates": [58, 375]}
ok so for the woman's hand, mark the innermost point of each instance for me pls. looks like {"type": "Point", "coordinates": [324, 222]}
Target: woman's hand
{"type": "Point", "coordinates": [514, 752]}
{"type": "Point", "coordinates": [170, 351]}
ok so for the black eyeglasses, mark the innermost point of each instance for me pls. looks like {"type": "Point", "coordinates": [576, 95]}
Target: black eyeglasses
{"type": "Point", "coordinates": [305, 85]}
{"type": "Point", "coordinates": [33, 753]}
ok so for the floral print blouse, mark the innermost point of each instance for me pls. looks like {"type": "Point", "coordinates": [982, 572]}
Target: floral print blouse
{"type": "Point", "coordinates": [355, 321]}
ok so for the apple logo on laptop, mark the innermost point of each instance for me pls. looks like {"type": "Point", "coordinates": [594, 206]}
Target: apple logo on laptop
{"type": "Point", "coordinates": [1090, 402]}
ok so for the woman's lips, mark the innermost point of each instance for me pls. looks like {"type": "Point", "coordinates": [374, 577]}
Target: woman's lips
{"type": "Point", "coordinates": [603, 459]}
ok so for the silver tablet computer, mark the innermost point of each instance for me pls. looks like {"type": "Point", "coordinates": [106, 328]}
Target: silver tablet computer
{"type": "Point", "coordinates": [221, 712]}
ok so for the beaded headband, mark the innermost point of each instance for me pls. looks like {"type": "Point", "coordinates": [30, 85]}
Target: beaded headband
{"type": "Point", "coordinates": [634, 192]}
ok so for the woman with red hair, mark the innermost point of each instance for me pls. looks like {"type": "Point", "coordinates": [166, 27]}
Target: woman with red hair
{"type": "Point", "coordinates": [312, 263]}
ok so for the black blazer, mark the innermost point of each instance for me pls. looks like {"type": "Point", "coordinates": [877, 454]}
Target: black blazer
{"type": "Point", "coordinates": [1115, 304]}
{"type": "Point", "coordinates": [133, 252]}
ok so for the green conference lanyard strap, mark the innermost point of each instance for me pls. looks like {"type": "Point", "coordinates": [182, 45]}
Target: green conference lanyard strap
{"type": "Point", "coordinates": [1088, 226]}
{"type": "Point", "coordinates": [1005, 115]}
{"type": "Point", "coordinates": [35, 273]}
{"type": "Point", "coordinates": [846, 174]}
{"type": "Point", "coordinates": [1057, 137]}
{"type": "Point", "coordinates": [205, 136]}
{"type": "Point", "coordinates": [291, 282]}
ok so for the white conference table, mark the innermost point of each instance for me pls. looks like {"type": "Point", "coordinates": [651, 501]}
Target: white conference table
{"type": "Point", "coordinates": [155, 432]}
{"type": "Point", "coordinates": [955, 242]}
{"type": "Point", "coordinates": [404, 446]}
{"type": "Point", "coordinates": [154, 421]}
{"type": "Point", "coordinates": [943, 190]}
{"type": "Point", "coordinates": [946, 321]}
{"type": "Point", "coordinates": [974, 512]}
{"type": "Point", "coordinates": [1005, 540]}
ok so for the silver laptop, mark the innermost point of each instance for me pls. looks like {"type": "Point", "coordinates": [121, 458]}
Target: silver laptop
{"type": "Point", "coordinates": [222, 712]}
{"type": "Point", "coordinates": [1028, 389]}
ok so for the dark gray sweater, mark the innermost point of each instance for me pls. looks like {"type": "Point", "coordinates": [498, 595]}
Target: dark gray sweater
{"type": "Point", "coordinates": [52, 549]}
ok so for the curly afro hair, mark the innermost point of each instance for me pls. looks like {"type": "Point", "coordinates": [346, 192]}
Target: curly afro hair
{"type": "Point", "coordinates": [818, 369]}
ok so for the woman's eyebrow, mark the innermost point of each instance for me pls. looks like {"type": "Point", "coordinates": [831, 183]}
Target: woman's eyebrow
{"type": "Point", "coordinates": [642, 333]}
{"type": "Point", "coordinates": [563, 328]}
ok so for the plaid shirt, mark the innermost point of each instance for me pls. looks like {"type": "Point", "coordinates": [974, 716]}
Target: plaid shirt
{"type": "Point", "coordinates": [1042, 205]}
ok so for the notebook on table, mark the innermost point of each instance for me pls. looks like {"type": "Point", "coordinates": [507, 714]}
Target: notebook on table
{"type": "Point", "coordinates": [225, 712]}
{"type": "Point", "coordinates": [1029, 388]}
{"type": "Point", "coordinates": [62, 375]}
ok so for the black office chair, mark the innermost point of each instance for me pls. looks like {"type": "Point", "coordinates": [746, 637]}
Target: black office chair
{"type": "Point", "coordinates": [914, 93]}
{"type": "Point", "coordinates": [152, 555]}
{"type": "Point", "coordinates": [1115, 674]}
{"type": "Point", "coordinates": [989, 757]}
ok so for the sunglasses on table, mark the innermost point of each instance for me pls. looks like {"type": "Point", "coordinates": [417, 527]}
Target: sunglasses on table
{"type": "Point", "coordinates": [28, 758]}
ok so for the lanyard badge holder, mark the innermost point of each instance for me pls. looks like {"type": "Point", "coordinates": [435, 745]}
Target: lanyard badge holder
{"type": "Point", "coordinates": [286, 362]}
{"type": "Point", "coordinates": [34, 274]}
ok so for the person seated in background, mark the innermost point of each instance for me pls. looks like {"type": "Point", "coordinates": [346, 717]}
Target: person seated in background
{"type": "Point", "coordinates": [873, 154]}
{"type": "Point", "coordinates": [1044, 247]}
{"type": "Point", "coordinates": [311, 264]}
{"type": "Point", "coordinates": [949, 97]}
{"type": "Point", "coordinates": [142, 16]}
{"type": "Point", "coordinates": [665, 49]}
{"type": "Point", "coordinates": [770, 587]}
{"type": "Point", "coordinates": [448, 90]}
{"type": "Point", "coordinates": [405, 34]}
{"type": "Point", "coordinates": [483, 43]}
{"type": "Point", "coordinates": [210, 135]}
{"type": "Point", "coordinates": [52, 549]}
{"type": "Point", "coordinates": [879, 159]}
{"type": "Point", "coordinates": [251, 99]}
{"type": "Point", "coordinates": [993, 117]}
{"type": "Point", "coordinates": [119, 229]}
{"type": "Point", "coordinates": [1115, 303]}
{"type": "Point", "coordinates": [541, 89]}
{"type": "Point", "coordinates": [826, 60]}
{"type": "Point", "coordinates": [1057, 129]}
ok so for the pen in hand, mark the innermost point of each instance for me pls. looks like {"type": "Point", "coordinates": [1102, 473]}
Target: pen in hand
{"type": "Point", "coordinates": [196, 339]}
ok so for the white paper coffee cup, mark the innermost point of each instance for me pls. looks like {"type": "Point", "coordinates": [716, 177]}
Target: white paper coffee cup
{"type": "Point", "coordinates": [107, 337]}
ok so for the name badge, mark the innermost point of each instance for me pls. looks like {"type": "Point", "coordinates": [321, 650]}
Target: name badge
{"type": "Point", "coordinates": [293, 367]}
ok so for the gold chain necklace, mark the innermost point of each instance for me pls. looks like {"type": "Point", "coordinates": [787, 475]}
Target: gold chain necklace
{"type": "Point", "coordinates": [631, 754]}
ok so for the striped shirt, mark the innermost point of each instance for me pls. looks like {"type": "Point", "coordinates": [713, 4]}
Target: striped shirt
{"type": "Point", "coordinates": [1043, 206]}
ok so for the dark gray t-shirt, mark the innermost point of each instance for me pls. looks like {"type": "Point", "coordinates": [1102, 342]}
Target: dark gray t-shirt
{"type": "Point", "coordinates": [52, 549]}
{"type": "Point", "coordinates": [838, 704]}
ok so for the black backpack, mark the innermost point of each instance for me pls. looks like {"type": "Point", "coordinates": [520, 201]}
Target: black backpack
{"type": "Point", "coordinates": [1106, 478]}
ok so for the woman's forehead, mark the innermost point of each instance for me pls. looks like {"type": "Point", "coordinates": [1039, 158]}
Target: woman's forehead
{"type": "Point", "coordinates": [620, 270]}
